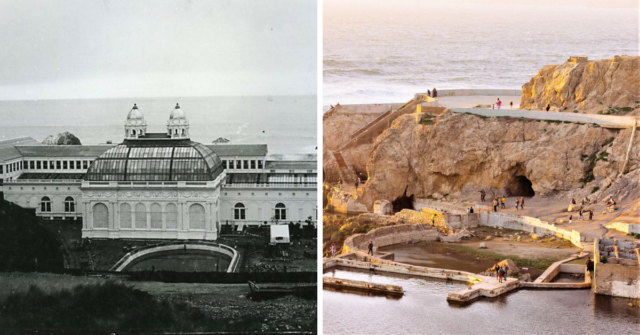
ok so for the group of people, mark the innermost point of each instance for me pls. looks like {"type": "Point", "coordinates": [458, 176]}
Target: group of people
{"type": "Point", "coordinates": [501, 202]}
{"type": "Point", "coordinates": [432, 94]}
{"type": "Point", "coordinates": [501, 272]}
{"type": "Point", "coordinates": [499, 104]}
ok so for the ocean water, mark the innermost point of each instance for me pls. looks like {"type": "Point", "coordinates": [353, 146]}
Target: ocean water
{"type": "Point", "coordinates": [385, 51]}
{"type": "Point", "coordinates": [288, 124]}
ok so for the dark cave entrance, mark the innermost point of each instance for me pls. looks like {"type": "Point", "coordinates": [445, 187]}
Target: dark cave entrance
{"type": "Point", "coordinates": [403, 202]}
{"type": "Point", "coordinates": [520, 186]}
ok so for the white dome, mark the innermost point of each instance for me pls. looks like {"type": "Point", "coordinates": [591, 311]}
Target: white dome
{"type": "Point", "coordinates": [177, 113]}
{"type": "Point", "coordinates": [135, 114]}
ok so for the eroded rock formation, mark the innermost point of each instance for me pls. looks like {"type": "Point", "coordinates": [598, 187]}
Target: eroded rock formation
{"type": "Point", "coordinates": [586, 85]}
{"type": "Point", "coordinates": [65, 138]}
{"type": "Point", "coordinates": [514, 156]}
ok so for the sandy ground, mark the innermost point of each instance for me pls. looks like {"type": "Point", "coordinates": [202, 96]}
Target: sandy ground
{"type": "Point", "coordinates": [471, 101]}
{"type": "Point", "coordinates": [553, 209]}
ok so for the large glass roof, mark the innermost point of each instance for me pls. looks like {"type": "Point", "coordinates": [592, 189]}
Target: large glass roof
{"type": "Point", "coordinates": [161, 160]}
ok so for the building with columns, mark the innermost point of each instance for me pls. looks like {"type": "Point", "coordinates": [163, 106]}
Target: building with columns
{"type": "Point", "coordinates": [157, 185]}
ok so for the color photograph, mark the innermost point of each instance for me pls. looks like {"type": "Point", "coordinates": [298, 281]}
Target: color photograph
{"type": "Point", "coordinates": [481, 167]}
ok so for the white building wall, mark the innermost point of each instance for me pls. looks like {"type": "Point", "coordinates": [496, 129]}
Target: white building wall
{"type": "Point", "coordinates": [260, 204]}
{"type": "Point", "coordinates": [28, 194]}
{"type": "Point", "coordinates": [183, 196]}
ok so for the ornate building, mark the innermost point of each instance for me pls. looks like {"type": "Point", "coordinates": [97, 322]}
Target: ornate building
{"type": "Point", "coordinates": [157, 185]}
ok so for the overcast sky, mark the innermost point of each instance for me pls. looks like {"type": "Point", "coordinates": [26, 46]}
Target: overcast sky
{"type": "Point", "coordinates": [109, 48]}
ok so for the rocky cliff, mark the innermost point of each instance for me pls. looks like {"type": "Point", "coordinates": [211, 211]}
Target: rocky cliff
{"type": "Point", "coordinates": [590, 86]}
{"type": "Point", "coordinates": [515, 156]}
{"type": "Point", "coordinates": [65, 138]}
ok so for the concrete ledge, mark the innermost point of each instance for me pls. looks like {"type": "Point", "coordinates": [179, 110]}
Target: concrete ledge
{"type": "Point", "coordinates": [361, 285]}
{"type": "Point", "coordinates": [565, 286]}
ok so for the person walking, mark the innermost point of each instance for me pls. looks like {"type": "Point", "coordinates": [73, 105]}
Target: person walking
{"type": "Point", "coordinates": [496, 268]}
{"type": "Point", "coordinates": [333, 250]}
{"type": "Point", "coordinates": [511, 104]}
{"type": "Point", "coordinates": [580, 214]}
{"type": "Point", "coordinates": [433, 220]}
{"type": "Point", "coordinates": [591, 215]}
{"type": "Point", "coordinates": [548, 107]}
{"type": "Point", "coordinates": [370, 248]}
{"type": "Point", "coordinates": [589, 266]}
{"type": "Point", "coordinates": [498, 103]}
{"type": "Point", "coordinates": [503, 201]}
{"type": "Point", "coordinates": [482, 194]}
{"type": "Point", "coordinates": [570, 217]}
{"type": "Point", "coordinates": [517, 203]}
{"type": "Point", "coordinates": [495, 204]}
{"type": "Point", "coordinates": [521, 202]}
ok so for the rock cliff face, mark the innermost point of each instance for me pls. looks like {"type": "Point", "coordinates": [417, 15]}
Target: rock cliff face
{"type": "Point", "coordinates": [65, 138]}
{"type": "Point", "coordinates": [516, 157]}
{"type": "Point", "coordinates": [586, 85]}
{"type": "Point", "coordinates": [337, 129]}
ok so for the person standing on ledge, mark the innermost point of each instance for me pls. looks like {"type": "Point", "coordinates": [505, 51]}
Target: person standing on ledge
{"type": "Point", "coordinates": [482, 194]}
{"type": "Point", "coordinates": [370, 248]}
{"type": "Point", "coordinates": [521, 202]}
{"type": "Point", "coordinates": [511, 104]}
{"type": "Point", "coordinates": [434, 93]}
{"type": "Point", "coordinates": [498, 103]}
{"type": "Point", "coordinates": [503, 201]}
{"type": "Point", "coordinates": [548, 107]}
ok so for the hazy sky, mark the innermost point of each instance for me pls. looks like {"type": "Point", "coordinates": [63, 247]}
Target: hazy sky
{"type": "Point", "coordinates": [109, 48]}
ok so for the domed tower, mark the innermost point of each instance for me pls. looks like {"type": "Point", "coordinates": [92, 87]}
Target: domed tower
{"type": "Point", "coordinates": [135, 126]}
{"type": "Point", "coordinates": [178, 125]}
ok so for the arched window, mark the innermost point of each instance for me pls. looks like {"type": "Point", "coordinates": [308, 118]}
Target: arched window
{"type": "Point", "coordinates": [176, 132]}
{"type": "Point", "coordinates": [281, 212]}
{"type": "Point", "coordinates": [45, 205]}
{"type": "Point", "coordinates": [196, 217]}
{"type": "Point", "coordinates": [100, 216]}
{"type": "Point", "coordinates": [141, 216]}
{"type": "Point", "coordinates": [69, 205]}
{"type": "Point", "coordinates": [172, 216]}
{"type": "Point", "coordinates": [133, 131]}
{"type": "Point", "coordinates": [156, 216]}
{"type": "Point", "coordinates": [125, 216]}
{"type": "Point", "coordinates": [239, 212]}
{"type": "Point", "coordinates": [184, 132]}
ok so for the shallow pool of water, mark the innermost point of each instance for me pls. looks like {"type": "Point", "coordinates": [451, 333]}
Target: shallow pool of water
{"type": "Point", "coordinates": [424, 309]}
{"type": "Point", "coordinates": [435, 256]}
{"type": "Point", "coordinates": [181, 261]}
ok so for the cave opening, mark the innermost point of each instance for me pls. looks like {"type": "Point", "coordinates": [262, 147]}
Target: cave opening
{"type": "Point", "coordinates": [521, 186]}
{"type": "Point", "coordinates": [403, 202]}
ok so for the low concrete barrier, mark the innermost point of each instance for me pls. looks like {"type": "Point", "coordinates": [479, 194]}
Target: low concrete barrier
{"type": "Point", "coordinates": [624, 121]}
{"type": "Point", "coordinates": [479, 92]}
{"type": "Point", "coordinates": [362, 285]}
{"type": "Point", "coordinates": [384, 236]}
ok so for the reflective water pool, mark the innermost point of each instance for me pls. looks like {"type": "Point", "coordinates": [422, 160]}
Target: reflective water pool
{"type": "Point", "coordinates": [181, 261]}
{"type": "Point", "coordinates": [424, 309]}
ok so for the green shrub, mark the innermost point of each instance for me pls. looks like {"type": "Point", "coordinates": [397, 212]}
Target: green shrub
{"type": "Point", "coordinates": [603, 259]}
{"type": "Point", "coordinates": [575, 110]}
{"type": "Point", "coordinates": [595, 189]}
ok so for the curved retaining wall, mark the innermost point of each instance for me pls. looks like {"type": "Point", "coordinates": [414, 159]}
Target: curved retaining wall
{"type": "Point", "coordinates": [624, 121]}
{"type": "Point", "coordinates": [219, 248]}
{"type": "Point", "coordinates": [384, 236]}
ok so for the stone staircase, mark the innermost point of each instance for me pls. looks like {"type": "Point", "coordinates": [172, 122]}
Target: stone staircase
{"type": "Point", "coordinates": [347, 173]}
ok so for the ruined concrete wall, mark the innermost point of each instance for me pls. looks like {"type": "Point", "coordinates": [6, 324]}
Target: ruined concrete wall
{"type": "Point", "coordinates": [625, 227]}
{"type": "Point", "coordinates": [345, 203]}
{"type": "Point", "coordinates": [446, 207]}
{"type": "Point", "coordinates": [390, 235]}
{"type": "Point", "coordinates": [614, 279]}
{"type": "Point", "coordinates": [529, 224]}
{"type": "Point", "coordinates": [457, 222]}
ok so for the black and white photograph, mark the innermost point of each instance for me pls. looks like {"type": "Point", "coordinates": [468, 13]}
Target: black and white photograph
{"type": "Point", "coordinates": [158, 167]}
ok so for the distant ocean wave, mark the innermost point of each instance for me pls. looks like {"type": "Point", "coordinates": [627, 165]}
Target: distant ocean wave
{"type": "Point", "coordinates": [363, 71]}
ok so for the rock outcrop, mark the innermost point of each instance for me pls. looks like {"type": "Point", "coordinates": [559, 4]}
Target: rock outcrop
{"type": "Point", "coordinates": [586, 86]}
{"type": "Point", "coordinates": [513, 156]}
{"type": "Point", "coordinates": [65, 138]}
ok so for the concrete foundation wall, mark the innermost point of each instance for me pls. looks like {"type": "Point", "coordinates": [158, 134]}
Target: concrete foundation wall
{"type": "Point", "coordinates": [445, 207]}
{"type": "Point", "coordinates": [614, 279]}
{"type": "Point", "coordinates": [625, 227]}
{"type": "Point", "coordinates": [529, 224]}
{"type": "Point", "coordinates": [390, 235]}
